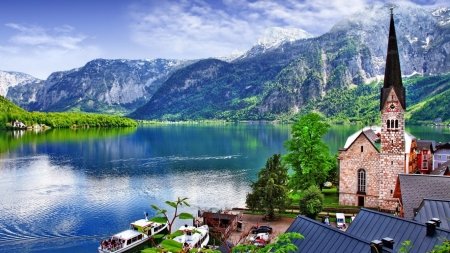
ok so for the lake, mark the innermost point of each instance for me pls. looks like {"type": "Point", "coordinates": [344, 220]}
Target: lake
{"type": "Point", "coordinates": [65, 190]}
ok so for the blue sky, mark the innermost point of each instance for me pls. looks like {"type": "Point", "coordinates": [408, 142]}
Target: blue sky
{"type": "Point", "coordinates": [39, 37]}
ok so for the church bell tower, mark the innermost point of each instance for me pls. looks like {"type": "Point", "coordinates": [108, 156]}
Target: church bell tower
{"type": "Point", "coordinates": [392, 107]}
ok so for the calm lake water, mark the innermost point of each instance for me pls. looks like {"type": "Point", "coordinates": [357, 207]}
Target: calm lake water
{"type": "Point", "coordinates": [65, 190]}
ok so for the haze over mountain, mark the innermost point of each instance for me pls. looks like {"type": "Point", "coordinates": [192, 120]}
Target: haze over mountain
{"type": "Point", "coordinates": [284, 71]}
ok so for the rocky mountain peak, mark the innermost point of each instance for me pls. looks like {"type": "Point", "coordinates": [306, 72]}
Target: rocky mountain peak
{"type": "Point", "coordinates": [274, 36]}
{"type": "Point", "coordinates": [11, 79]}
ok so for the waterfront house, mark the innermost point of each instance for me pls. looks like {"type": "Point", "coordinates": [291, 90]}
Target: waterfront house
{"type": "Point", "coordinates": [441, 154]}
{"type": "Point", "coordinates": [432, 209]}
{"type": "Point", "coordinates": [412, 189]}
{"type": "Point", "coordinates": [425, 151]}
{"type": "Point", "coordinates": [392, 231]}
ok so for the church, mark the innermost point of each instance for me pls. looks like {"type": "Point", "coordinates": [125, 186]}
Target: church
{"type": "Point", "coordinates": [372, 158]}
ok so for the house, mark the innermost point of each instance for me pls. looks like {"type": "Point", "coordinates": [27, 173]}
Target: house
{"type": "Point", "coordinates": [443, 170]}
{"type": "Point", "coordinates": [432, 209]}
{"type": "Point", "coordinates": [411, 189]}
{"type": "Point", "coordinates": [18, 124]}
{"type": "Point", "coordinates": [441, 154]}
{"type": "Point", "coordinates": [373, 157]}
{"type": "Point", "coordinates": [320, 237]}
{"type": "Point", "coordinates": [372, 225]}
{"type": "Point", "coordinates": [425, 151]}
{"type": "Point", "coordinates": [220, 222]}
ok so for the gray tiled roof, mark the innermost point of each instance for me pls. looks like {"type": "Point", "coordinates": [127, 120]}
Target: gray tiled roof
{"type": "Point", "coordinates": [426, 145]}
{"type": "Point", "coordinates": [415, 187]}
{"type": "Point", "coordinates": [372, 225]}
{"type": "Point", "coordinates": [441, 169]}
{"type": "Point", "coordinates": [323, 238]}
{"type": "Point", "coordinates": [434, 208]}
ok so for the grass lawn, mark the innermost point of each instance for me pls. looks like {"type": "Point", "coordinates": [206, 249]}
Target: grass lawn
{"type": "Point", "coordinates": [330, 200]}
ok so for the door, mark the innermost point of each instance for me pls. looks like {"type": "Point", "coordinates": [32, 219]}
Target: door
{"type": "Point", "coordinates": [360, 200]}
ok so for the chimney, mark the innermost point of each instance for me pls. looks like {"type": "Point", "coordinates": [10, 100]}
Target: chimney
{"type": "Point", "coordinates": [431, 227]}
{"type": "Point", "coordinates": [437, 221]}
{"type": "Point", "coordinates": [376, 246]}
{"type": "Point", "coordinates": [388, 242]}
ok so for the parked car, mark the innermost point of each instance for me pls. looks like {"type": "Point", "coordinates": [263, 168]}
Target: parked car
{"type": "Point", "coordinates": [262, 229]}
{"type": "Point", "coordinates": [340, 220]}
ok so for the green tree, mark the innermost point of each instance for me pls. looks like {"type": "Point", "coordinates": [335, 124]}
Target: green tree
{"type": "Point", "coordinates": [281, 244]}
{"type": "Point", "coordinates": [270, 191]}
{"type": "Point", "coordinates": [444, 248]}
{"type": "Point", "coordinates": [175, 204]}
{"type": "Point", "coordinates": [309, 156]}
{"type": "Point", "coordinates": [311, 202]}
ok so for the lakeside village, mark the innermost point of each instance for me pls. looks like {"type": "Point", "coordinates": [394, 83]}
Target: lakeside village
{"type": "Point", "coordinates": [399, 184]}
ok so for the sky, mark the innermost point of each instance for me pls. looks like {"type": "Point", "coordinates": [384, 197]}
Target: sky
{"type": "Point", "coordinates": [38, 37]}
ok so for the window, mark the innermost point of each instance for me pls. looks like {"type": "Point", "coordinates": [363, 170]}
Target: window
{"type": "Point", "coordinates": [361, 181]}
{"type": "Point", "coordinates": [388, 123]}
{"type": "Point", "coordinates": [425, 166]}
{"type": "Point", "coordinates": [448, 157]}
{"type": "Point", "coordinates": [396, 123]}
{"type": "Point", "coordinates": [362, 148]}
{"type": "Point", "coordinates": [439, 157]}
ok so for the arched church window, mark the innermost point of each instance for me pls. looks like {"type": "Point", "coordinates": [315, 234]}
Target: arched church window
{"type": "Point", "coordinates": [362, 181]}
{"type": "Point", "coordinates": [388, 123]}
{"type": "Point", "coordinates": [396, 123]}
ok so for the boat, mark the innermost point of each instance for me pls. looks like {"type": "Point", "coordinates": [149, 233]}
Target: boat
{"type": "Point", "coordinates": [140, 231]}
{"type": "Point", "coordinates": [193, 237]}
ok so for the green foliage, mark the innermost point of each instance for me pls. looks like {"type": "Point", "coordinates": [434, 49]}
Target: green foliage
{"type": "Point", "coordinates": [10, 112]}
{"type": "Point", "coordinates": [175, 205]}
{"type": "Point", "coordinates": [308, 156]}
{"type": "Point", "coordinates": [270, 191]}
{"type": "Point", "coordinates": [282, 244]}
{"type": "Point", "coordinates": [444, 248]}
{"type": "Point", "coordinates": [311, 202]}
{"type": "Point", "coordinates": [406, 247]}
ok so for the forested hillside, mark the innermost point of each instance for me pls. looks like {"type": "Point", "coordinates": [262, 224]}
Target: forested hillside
{"type": "Point", "coordinates": [426, 99]}
{"type": "Point", "coordinates": [10, 112]}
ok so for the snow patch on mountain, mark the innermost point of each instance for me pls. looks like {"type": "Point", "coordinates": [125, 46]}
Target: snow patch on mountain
{"type": "Point", "coordinates": [275, 36]}
{"type": "Point", "coordinates": [10, 79]}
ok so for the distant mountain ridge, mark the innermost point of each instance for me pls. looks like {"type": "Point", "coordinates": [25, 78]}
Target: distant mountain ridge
{"type": "Point", "coordinates": [279, 76]}
{"type": "Point", "coordinates": [108, 86]}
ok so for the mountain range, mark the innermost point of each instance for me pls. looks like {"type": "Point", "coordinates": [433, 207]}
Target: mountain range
{"type": "Point", "coordinates": [286, 72]}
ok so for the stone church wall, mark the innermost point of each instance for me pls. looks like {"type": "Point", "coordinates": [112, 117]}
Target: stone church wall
{"type": "Point", "coordinates": [353, 159]}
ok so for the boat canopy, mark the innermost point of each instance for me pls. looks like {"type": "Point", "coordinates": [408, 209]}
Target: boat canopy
{"type": "Point", "coordinates": [127, 234]}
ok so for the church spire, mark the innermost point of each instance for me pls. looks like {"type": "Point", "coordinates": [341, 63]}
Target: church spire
{"type": "Point", "coordinates": [392, 74]}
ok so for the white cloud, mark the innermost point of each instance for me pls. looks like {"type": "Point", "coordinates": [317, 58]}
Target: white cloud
{"type": "Point", "coordinates": [197, 29]}
{"type": "Point", "coordinates": [38, 36]}
{"type": "Point", "coordinates": [40, 51]}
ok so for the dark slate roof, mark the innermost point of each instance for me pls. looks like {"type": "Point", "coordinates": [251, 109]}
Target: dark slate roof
{"type": "Point", "coordinates": [323, 238]}
{"type": "Point", "coordinates": [441, 170]}
{"type": "Point", "coordinates": [426, 145]}
{"type": "Point", "coordinates": [221, 216]}
{"type": "Point", "coordinates": [445, 145]}
{"type": "Point", "coordinates": [224, 248]}
{"type": "Point", "coordinates": [372, 225]}
{"type": "Point", "coordinates": [372, 136]}
{"type": "Point", "coordinates": [415, 187]}
{"type": "Point", "coordinates": [392, 74]}
{"type": "Point", "coordinates": [434, 208]}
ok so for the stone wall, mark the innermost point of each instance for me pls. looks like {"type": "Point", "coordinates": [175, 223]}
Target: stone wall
{"type": "Point", "coordinates": [362, 154]}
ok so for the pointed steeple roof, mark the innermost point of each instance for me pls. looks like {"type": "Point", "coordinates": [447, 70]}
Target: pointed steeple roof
{"type": "Point", "coordinates": [392, 74]}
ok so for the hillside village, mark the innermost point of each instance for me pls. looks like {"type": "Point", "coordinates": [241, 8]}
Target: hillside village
{"type": "Point", "coordinates": [401, 183]}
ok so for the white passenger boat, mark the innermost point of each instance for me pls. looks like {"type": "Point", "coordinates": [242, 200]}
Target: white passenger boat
{"type": "Point", "coordinates": [193, 237]}
{"type": "Point", "coordinates": [139, 232]}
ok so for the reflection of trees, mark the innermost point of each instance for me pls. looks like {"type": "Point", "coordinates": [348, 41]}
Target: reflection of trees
{"type": "Point", "coordinates": [10, 140]}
